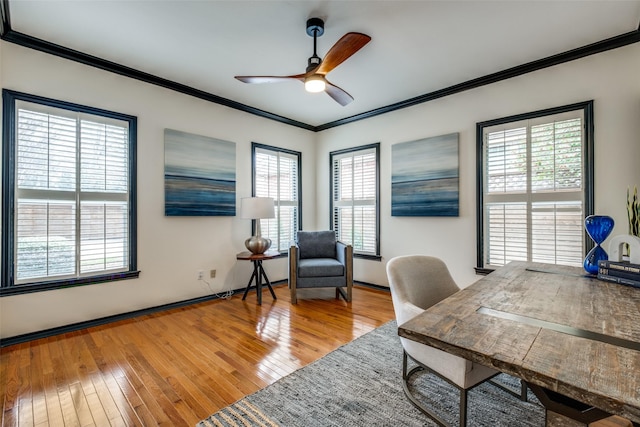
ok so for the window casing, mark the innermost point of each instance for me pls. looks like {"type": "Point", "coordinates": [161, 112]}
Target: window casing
{"type": "Point", "coordinates": [276, 174]}
{"type": "Point", "coordinates": [535, 187]}
{"type": "Point", "coordinates": [68, 205]}
{"type": "Point", "coordinates": [355, 198]}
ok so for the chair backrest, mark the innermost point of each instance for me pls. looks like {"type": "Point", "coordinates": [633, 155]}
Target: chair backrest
{"type": "Point", "coordinates": [316, 244]}
{"type": "Point", "coordinates": [419, 280]}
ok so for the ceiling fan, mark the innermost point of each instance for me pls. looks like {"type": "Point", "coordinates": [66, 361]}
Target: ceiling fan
{"type": "Point", "coordinates": [314, 78]}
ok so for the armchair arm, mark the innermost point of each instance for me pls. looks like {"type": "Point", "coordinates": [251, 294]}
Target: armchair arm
{"type": "Point", "coordinates": [294, 258]}
{"type": "Point", "coordinates": [295, 250]}
{"type": "Point", "coordinates": [344, 254]}
{"type": "Point", "coordinates": [341, 252]}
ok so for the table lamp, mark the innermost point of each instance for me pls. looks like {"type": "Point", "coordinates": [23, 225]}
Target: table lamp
{"type": "Point", "coordinates": [257, 208]}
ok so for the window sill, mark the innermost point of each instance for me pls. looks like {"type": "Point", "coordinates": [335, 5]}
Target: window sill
{"type": "Point", "coordinates": [369, 257]}
{"type": "Point", "coordinates": [60, 284]}
{"type": "Point", "coordinates": [481, 271]}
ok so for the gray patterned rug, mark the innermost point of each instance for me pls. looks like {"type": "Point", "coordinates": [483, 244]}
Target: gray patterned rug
{"type": "Point", "coordinates": [360, 384]}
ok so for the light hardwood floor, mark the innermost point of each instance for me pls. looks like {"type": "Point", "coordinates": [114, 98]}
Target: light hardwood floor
{"type": "Point", "coordinates": [176, 367]}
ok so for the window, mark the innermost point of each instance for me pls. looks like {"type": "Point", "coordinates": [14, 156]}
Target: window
{"type": "Point", "coordinates": [535, 187]}
{"type": "Point", "coordinates": [355, 207]}
{"type": "Point", "coordinates": [68, 200]}
{"type": "Point", "coordinates": [276, 173]}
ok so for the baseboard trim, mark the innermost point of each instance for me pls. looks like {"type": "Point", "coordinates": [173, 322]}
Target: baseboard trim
{"type": "Point", "coordinates": [31, 336]}
{"type": "Point", "coordinates": [373, 286]}
{"type": "Point", "coordinates": [58, 330]}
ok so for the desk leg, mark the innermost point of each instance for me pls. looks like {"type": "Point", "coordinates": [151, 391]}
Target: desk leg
{"type": "Point", "coordinates": [563, 411]}
{"type": "Point", "coordinates": [553, 419]}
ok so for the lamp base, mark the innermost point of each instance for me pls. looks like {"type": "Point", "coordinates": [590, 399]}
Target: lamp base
{"type": "Point", "coordinates": [257, 245]}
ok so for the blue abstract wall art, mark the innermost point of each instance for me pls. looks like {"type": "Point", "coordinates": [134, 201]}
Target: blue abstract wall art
{"type": "Point", "coordinates": [199, 175]}
{"type": "Point", "coordinates": [425, 177]}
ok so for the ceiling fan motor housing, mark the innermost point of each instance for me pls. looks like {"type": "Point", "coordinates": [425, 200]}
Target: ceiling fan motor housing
{"type": "Point", "coordinates": [315, 27]}
{"type": "Point", "coordinates": [313, 62]}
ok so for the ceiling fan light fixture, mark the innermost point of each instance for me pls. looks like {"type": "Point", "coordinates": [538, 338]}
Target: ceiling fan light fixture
{"type": "Point", "coordinates": [314, 83]}
{"type": "Point", "coordinates": [317, 68]}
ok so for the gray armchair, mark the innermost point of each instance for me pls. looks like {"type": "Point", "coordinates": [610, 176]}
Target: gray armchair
{"type": "Point", "coordinates": [318, 260]}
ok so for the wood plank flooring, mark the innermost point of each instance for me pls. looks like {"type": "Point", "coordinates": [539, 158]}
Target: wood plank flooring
{"type": "Point", "coordinates": [176, 367]}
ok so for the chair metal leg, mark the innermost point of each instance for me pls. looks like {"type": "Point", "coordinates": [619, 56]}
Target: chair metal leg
{"type": "Point", "coordinates": [404, 365]}
{"type": "Point", "coordinates": [406, 376]}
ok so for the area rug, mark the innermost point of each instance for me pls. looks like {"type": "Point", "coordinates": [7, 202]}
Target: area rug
{"type": "Point", "coordinates": [360, 384]}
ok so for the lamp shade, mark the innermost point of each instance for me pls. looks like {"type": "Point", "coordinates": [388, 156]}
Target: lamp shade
{"type": "Point", "coordinates": [257, 207]}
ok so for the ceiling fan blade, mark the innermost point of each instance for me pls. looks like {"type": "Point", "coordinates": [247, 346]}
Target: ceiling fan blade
{"type": "Point", "coordinates": [269, 79]}
{"type": "Point", "coordinates": [349, 44]}
{"type": "Point", "coordinates": [339, 95]}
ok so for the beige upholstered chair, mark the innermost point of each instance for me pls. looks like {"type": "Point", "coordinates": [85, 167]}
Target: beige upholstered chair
{"type": "Point", "coordinates": [417, 282]}
{"type": "Point", "coordinates": [318, 260]}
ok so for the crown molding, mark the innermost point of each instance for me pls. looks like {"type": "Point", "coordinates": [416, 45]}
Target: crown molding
{"type": "Point", "coordinates": [9, 35]}
{"type": "Point", "coordinates": [571, 55]}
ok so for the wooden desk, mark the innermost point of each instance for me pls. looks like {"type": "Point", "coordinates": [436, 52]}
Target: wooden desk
{"type": "Point", "coordinates": [258, 272]}
{"type": "Point", "coordinates": [552, 326]}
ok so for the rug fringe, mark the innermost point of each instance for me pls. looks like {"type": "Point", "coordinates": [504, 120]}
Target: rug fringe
{"type": "Point", "coordinates": [240, 414]}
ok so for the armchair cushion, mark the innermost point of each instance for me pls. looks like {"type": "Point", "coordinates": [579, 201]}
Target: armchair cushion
{"type": "Point", "coordinates": [317, 244]}
{"type": "Point", "coordinates": [320, 267]}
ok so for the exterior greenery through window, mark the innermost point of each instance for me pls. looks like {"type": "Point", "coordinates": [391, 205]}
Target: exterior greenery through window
{"type": "Point", "coordinates": [535, 186]}
{"type": "Point", "coordinates": [276, 174]}
{"type": "Point", "coordinates": [355, 201]}
{"type": "Point", "coordinates": [68, 200]}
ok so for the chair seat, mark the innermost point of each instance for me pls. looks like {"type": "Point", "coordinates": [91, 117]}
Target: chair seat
{"type": "Point", "coordinates": [320, 267]}
{"type": "Point", "coordinates": [462, 372]}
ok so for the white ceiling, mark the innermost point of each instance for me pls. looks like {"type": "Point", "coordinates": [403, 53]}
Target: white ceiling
{"type": "Point", "coordinates": [417, 47]}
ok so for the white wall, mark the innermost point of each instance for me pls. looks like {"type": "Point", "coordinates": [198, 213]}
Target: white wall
{"type": "Point", "coordinates": [611, 79]}
{"type": "Point", "coordinates": [170, 249]}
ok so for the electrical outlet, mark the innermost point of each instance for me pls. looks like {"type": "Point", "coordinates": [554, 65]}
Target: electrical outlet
{"type": "Point", "coordinates": [212, 274]}
{"type": "Point", "coordinates": [200, 275]}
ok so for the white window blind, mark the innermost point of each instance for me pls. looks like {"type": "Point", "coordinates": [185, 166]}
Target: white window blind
{"type": "Point", "coordinates": [72, 201]}
{"type": "Point", "coordinates": [276, 175]}
{"type": "Point", "coordinates": [533, 192]}
{"type": "Point", "coordinates": [354, 192]}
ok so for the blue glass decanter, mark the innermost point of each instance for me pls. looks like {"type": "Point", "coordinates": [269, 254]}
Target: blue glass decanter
{"type": "Point", "coordinates": [598, 227]}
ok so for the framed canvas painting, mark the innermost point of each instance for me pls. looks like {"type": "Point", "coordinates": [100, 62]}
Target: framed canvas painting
{"type": "Point", "coordinates": [199, 175]}
{"type": "Point", "coordinates": [425, 177]}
